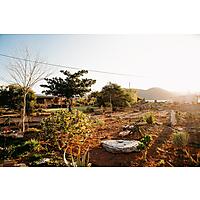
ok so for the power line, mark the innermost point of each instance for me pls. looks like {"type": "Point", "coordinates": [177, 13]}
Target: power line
{"type": "Point", "coordinates": [76, 68]}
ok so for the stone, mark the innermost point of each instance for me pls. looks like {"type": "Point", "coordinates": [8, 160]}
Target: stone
{"type": "Point", "coordinates": [180, 129]}
{"type": "Point", "coordinates": [20, 165]}
{"type": "Point", "coordinates": [124, 133]}
{"type": "Point", "coordinates": [172, 118]}
{"type": "Point", "coordinates": [44, 160]}
{"type": "Point", "coordinates": [121, 146]}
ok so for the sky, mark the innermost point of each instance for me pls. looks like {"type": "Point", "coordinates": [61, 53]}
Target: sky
{"type": "Point", "coordinates": [171, 62]}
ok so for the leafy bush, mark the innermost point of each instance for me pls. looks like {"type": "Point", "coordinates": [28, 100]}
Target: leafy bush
{"type": "Point", "coordinates": [62, 125]}
{"type": "Point", "coordinates": [64, 121]}
{"type": "Point", "coordinates": [180, 139]}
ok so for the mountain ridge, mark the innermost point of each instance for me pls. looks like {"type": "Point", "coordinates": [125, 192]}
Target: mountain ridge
{"type": "Point", "coordinates": [155, 93]}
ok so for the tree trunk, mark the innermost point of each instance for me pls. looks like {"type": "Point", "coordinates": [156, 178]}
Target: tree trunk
{"type": "Point", "coordinates": [70, 105]}
{"type": "Point", "coordinates": [24, 113]}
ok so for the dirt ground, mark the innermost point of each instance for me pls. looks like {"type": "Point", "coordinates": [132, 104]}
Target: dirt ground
{"type": "Point", "coordinates": [160, 152]}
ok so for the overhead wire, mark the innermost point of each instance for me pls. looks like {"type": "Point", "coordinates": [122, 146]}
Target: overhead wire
{"type": "Point", "coordinates": [74, 68]}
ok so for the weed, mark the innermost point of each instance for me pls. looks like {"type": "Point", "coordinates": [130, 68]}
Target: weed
{"type": "Point", "coordinates": [161, 163]}
{"type": "Point", "coordinates": [149, 118]}
{"type": "Point", "coordinates": [180, 139]}
{"type": "Point", "coordinates": [146, 139]}
{"type": "Point", "coordinates": [98, 122]}
{"type": "Point", "coordinates": [141, 146]}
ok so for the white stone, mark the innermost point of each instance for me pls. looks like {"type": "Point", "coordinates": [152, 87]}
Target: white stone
{"type": "Point", "coordinates": [121, 146]}
{"type": "Point", "coordinates": [124, 133]}
{"type": "Point", "coordinates": [173, 118]}
{"type": "Point", "coordinates": [44, 160]}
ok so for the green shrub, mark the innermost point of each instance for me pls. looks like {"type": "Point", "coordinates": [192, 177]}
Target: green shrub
{"type": "Point", "coordinates": [180, 139]}
{"type": "Point", "coordinates": [63, 121]}
{"type": "Point", "coordinates": [144, 142]}
{"type": "Point", "coordinates": [28, 146]}
{"type": "Point", "coordinates": [62, 125]}
{"type": "Point", "coordinates": [146, 139]}
{"type": "Point", "coordinates": [141, 146]}
{"type": "Point", "coordinates": [33, 158]}
{"type": "Point", "coordinates": [33, 144]}
{"type": "Point", "coordinates": [149, 118]}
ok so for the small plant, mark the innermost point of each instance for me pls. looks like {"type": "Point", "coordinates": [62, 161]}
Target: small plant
{"type": "Point", "coordinates": [34, 158]}
{"type": "Point", "coordinates": [149, 118]}
{"type": "Point", "coordinates": [98, 122]}
{"type": "Point", "coordinates": [79, 161]}
{"type": "Point", "coordinates": [178, 116]}
{"type": "Point", "coordinates": [141, 146]}
{"type": "Point", "coordinates": [180, 139]}
{"type": "Point", "coordinates": [28, 146]}
{"type": "Point", "coordinates": [146, 139]}
{"type": "Point", "coordinates": [144, 142]}
{"type": "Point", "coordinates": [89, 110]}
{"type": "Point", "coordinates": [161, 163]}
{"type": "Point", "coordinates": [33, 144]}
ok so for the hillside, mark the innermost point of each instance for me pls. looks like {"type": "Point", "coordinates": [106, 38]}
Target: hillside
{"type": "Point", "coordinates": [155, 93]}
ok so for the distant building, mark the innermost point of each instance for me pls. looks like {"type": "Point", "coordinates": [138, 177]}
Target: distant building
{"type": "Point", "coordinates": [50, 101]}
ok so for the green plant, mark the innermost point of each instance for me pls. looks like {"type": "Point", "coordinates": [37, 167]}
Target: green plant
{"type": "Point", "coordinates": [26, 147]}
{"type": "Point", "coordinates": [33, 144]}
{"type": "Point", "coordinates": [114, 96]}
{"type": "Point", "coordinates": [144, 142]}
{"type": "Point", "coordinates": [89, 110]}
{"type": "Point", "coordinates": [149, 118]}
{"type": "Point", "coordinates": [141, 146]}
{"type": "Point", "coordinates": [98, 122]}
{"type": "Point", "coordinates": [11, 97]}
{"type": "Point", "coordinates": [71, 86]}
{"type": "Point", "coordinates": [180, 139]}
{"type": "Point", "coordinates": [146, 139]}
{"type": "Point", "coordinates": [161, 163]}
{"type": "Point", "coordinates": [34, 158]}
{"type": "Point", "coordinates": [63, 125]}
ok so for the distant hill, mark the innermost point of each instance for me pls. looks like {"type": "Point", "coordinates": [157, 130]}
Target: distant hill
{"type": "Point", "coordinates": [155, 94]}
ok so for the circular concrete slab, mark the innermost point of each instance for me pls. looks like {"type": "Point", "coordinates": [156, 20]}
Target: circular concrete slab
{"type": "Point", "coordinates": [121, 146]}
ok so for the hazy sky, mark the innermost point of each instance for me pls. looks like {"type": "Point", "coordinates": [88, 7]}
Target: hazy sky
{"type": "Point", "coordinates": [171, 62]}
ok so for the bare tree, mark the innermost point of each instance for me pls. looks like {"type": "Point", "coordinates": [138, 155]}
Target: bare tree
{"type": "Point", "coordinates": [26, 72]}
